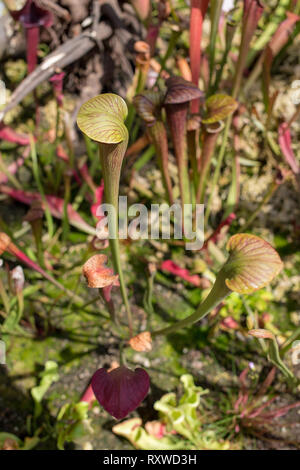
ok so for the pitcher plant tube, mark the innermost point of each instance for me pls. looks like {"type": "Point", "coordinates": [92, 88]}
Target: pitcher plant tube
{"type": "Point", "coordinates": [251, 265]}
{"type": "Point", "coordinates": [148, 106]}
{"type": "Point", "coordinates": [198, 11]}
{"type": "Point", "coordinates": [102, 119]}
{"type": "Point", "coordinates": [179, 94]}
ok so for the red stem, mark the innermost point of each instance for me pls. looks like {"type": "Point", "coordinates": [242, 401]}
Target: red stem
{"type": "Point", "coordinates": [151, 38]}
{"type": "Point", "coordinates": [105, 293]}
{"type": "Point", "coordinates": [198, 10]}
{"type": "Point", "coordinates": [32, 39]}
{"type": "Point", "coordinates": [176, 117]}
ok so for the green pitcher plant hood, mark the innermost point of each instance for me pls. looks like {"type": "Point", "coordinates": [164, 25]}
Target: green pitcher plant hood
{"type": "Point", "coordinates": [253, 263]}
{"type": "Point", "coordinates": [102, 118]}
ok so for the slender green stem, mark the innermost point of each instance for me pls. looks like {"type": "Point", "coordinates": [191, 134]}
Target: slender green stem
{"type": "Point", "coordinates": [144, 158]}
{"type": "Point", "coordinates": [20, 306]}
{"type": "Point", "coordinates": [220, 70]}
{"type": "Point", "coordinates": [218, 292]}
{"type": "Point", "coordinates": [184, 181]}
{"type": "Point", "coordinates": [36, 174]}
{"type": "Point", "coordinates": [67, 178]}
{"type": "Point", "coordinates": [253, 317]}
{"type": "Point", "coordinates": [148, 297]}
{"type": "Point", "coordinates": [4, 297]}
{"type": "Point", "coordinates": [69, 140]}
{"type": "Point", "coordinates": [67, 196]}
{"type": "Point", "coordinates": [192, 138]}
{"type": "Point", "coordinates": [142, 77]}
{"type": "Point", "coordinates": [215, 12]}
{"type": "Point", "coordinates": [275, 358]}
{"type": "Point", "coordinates": [172, 43]}
{"type": "Point", "coordinates": [131, 116]}
{"type": "Point", "coordinates": [289, 342]}
{"type": "Point", "coordinates": [111, 168]}
{"type": "Point", "coordinates": [122, 359]}
{"type": "Point", "coordinates": [89, 149]}
{"type": "Point", "coordinates": [57, 121]}
{"type": "Point", "coordinates": [230, 31]}
{"type": "Point", "coordinates": [209, 143]}
{"type": "Point", "coordinates": [115, 249]}
{"type": "Point", "coordinates": [218, 167]}
{"type": "Point", "coordinates": [134, 132]}
{"type": "Point", "coordinates": [234, 190]}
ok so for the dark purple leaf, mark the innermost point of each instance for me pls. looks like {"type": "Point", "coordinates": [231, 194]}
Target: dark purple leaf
{"type": "Point", "coordinates": [121, 390]}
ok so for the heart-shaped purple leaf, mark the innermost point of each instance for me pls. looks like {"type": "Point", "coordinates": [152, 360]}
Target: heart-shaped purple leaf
{"type": "Point", "coordinates": [121, 390]}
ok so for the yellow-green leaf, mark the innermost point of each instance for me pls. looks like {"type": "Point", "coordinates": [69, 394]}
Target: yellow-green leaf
{"type": "Point", "coordinates": [102, 118]}
{"type": "Point", "coordinates": [219, 107]}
